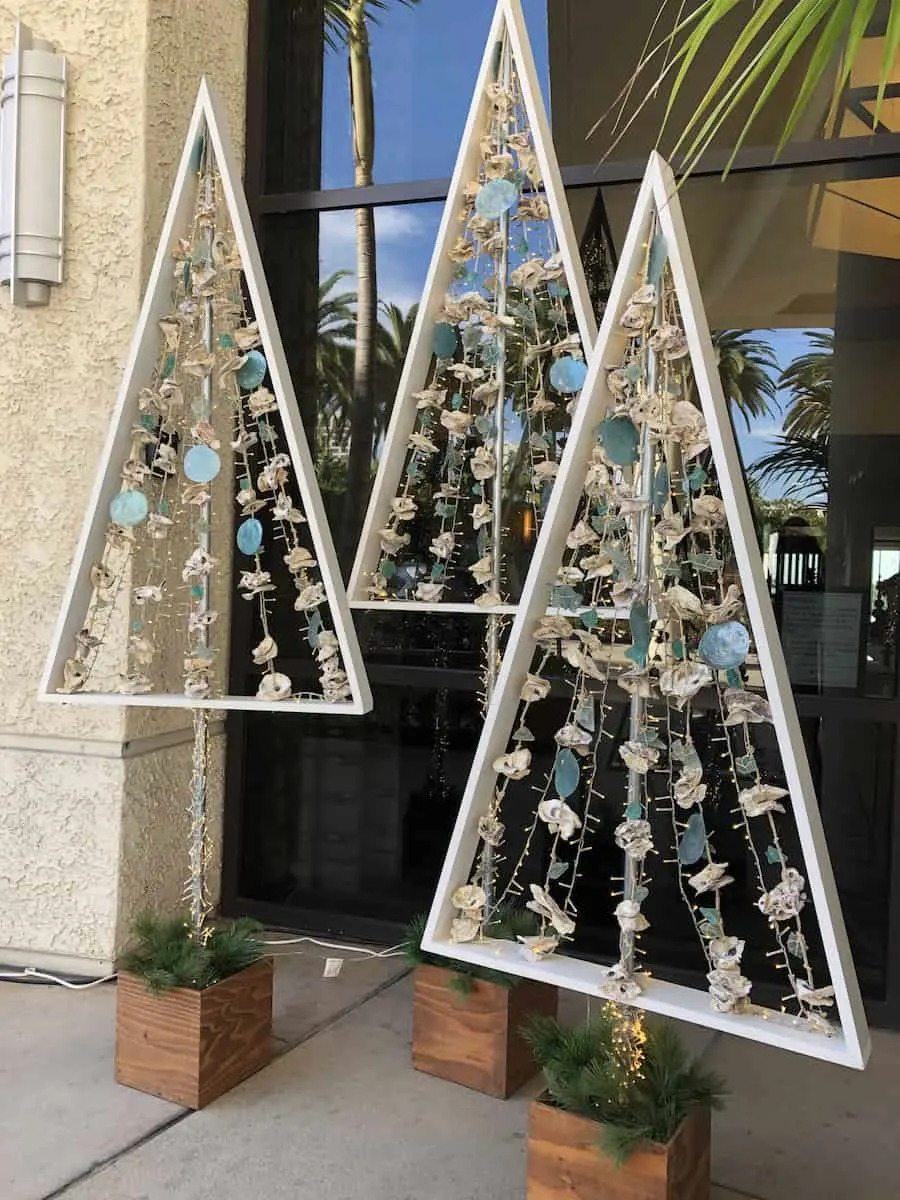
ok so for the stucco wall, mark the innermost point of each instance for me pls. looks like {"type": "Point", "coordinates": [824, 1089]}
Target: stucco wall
{"type": "Point", "coordinates": [85, 835]}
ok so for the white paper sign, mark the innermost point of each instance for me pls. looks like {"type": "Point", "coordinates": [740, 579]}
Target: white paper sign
{"type": "Point", "coordinates": [821, 634]}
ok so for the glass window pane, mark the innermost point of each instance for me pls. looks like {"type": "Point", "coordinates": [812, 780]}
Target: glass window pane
{"type": "Point", "coordinates": [425, 62]}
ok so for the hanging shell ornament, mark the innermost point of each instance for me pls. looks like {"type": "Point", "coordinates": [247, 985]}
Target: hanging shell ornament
{"type": "Point", "coordinates": [713, 877]}
{"type": "Point", "coordinates": [274, 686]}
{"type": "Point", "coordinates": [746, 707]}
{"type": "Point", "coordinates": [392, 541]}
{"type": "Point", "coordinates": [573, 737]}
{"type": "Point", "coordinates": [265, 651]}
{"type": "Point", "coordinates": [689, 788]}
{"type": "Point", "coordinates": [75, 675]}
{"type": "Point", "coordinates": [761, 799]}
{"type": "Point", "coordinates": [559, 818]}
{"type": "Point", "coordinates": [464, 929]}
{"type": "Point", "coordinates": [536, 947]}
{"type": "Point", "coordinates": [491, 830]}
{"type": "Point", "coordinates": [787, 899]}
{"type": "Point", "coordinates": [403, 508]}
{"type": "Point", "coordinates": [631, 919]}
{"type": "Point", "coordinates": [731, 605]}
{"type": "Point", "coordinates": [310, 597]}
{"type": "Point", "coordinates": [469, 898]}
{"type": "Point", "coordinates": [483, 463]}
{"type": "Point", "coordinates": [299, 559]}
{"type": "Point", "coordinates": [547, 909]}
{"type": "Point", "coordinates": [682, 603]}
{"type": "Point", "coordinates": [535, 688]}
{"type": "Point", "coordinates": [456, 423]}
{"type": "Point", "coordinates": [483, 570]}
{"type": "Point", "coordinates": [638, 757]}
{"type": "Point", "coordinates": [634, 837]}
{"type": "Point", "coordinates": [684, 680]}
{"type": "Point", "coordinates": [429, 593]}
{"type": "Point", "coordinates": [482, 514]}
{"type": "Point", "coordinates": [514, 765]}
{"type": "Point", "coordinates": [442, 545]}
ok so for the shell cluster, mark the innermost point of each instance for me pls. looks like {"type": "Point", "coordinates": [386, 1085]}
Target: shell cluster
{"type": "Point", "coordinates": [502, 336]}
{"type": "Point", "coordinates": [664, 631]}
{"type": "Point", "coordinates": [204, 416]}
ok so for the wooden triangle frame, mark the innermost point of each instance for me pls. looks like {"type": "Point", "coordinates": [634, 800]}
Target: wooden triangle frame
{"type": "Point", "coordinates": [507, 18]}
{"type": "Point", "coordinates": [142, 360]}
{"type": "Point", "coordinates": [851, 1046]}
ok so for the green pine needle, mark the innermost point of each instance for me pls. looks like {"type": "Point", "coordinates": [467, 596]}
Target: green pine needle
{"type": "Point", "coordinates": [165, 955]}
{"type": "Point", "coordinates": [507, 924]}
{"type": "Point", "coordinates": [584, 1074]}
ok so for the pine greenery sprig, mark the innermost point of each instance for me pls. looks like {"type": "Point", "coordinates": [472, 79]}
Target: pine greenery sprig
{"type": "Point", "coordinates": [586, 1075]}
{"type": "Point", "coordinates": [507, 924]}
{"type": "Point", "coordinates": [165, 956]}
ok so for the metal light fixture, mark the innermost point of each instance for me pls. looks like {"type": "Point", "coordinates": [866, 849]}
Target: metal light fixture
{"type": "Point", "coordinates": [32, 135]}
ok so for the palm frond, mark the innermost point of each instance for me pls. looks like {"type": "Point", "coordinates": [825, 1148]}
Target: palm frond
{"type": "Point", "coordinates": [337, 18]}
{"type": "Point", "coordinates": [798, 464]}
{"type": "Point", "coordinates": [826, 36]}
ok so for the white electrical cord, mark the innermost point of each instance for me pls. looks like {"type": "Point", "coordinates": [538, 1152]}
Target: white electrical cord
{"type": "Point", "coordinates": [363, 951]}
{"type": "Point", "coordinates": [390, 952]}
{"type": "Point", "coordinates": [34, 973]}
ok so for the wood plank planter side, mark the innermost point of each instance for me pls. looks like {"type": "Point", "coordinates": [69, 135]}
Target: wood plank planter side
{"type": "Point", "coordinates": [190, 1047]}
{"type": "Point", "coordinates": [565, 1163]}
{"type": "Point", "coordinates": [474, 1039]}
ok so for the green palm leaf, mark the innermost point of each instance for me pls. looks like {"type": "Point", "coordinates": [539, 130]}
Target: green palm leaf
{"type": "Point", "coordinates": [775, 34]}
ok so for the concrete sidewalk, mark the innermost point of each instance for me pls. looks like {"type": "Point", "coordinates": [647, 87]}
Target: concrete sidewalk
{"type": "Point", "coordinates": [343, 1116]}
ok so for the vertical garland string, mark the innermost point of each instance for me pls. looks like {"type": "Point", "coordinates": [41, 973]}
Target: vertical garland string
{"type": "Point", "coordinates": [494, 620]}
{"type": "Point", "coordinates": [638, 707]}
{"type": "Point", "coordinates": [200, 759]}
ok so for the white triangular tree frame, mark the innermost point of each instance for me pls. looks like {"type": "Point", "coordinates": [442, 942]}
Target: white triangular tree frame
{"type": "Point", "coordinates": [508, 17]}
{"type": "Point", "coordinates": [142, 360]}
{"type": "Point", "coordinates": [849, 1047]}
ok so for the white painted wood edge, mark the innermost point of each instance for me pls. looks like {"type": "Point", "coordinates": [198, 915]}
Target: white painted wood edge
{"type": "Point", "coordinates": [658, 192]}
{"type": "Point", "coordinates": [142, 360]}
{"type": "Point", "coordinates": [507, 16]}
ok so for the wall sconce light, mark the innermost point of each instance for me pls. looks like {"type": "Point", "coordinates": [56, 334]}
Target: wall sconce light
{"type": "Point", "coordinates": [32, 139]}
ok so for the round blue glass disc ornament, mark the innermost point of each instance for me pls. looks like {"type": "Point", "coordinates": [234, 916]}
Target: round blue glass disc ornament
{"type": "Point", "coordinates": [496, 198]}
{"type": "Point", "coordinates": [567, 375]}
{"type": "Point", "coordinates": [444, 341]}
{"type": "Point", "coordinates": [128, 509]}
{"type": "Point", "coordinates": [620, 439]}
{"type": "Point", "coordinates": [252, 371]}
{"type": "Point", "coordinates": [201, 464]}
{"type": "Point", "coordinates": [249, 536]}
{"type": "Point", "coordinates": [725, 646]}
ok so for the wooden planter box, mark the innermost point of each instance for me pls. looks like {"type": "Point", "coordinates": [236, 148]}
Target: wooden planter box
{"type": "Point", "coordinates": [566, 1163]}
{"type": "Point", "coordinates": [190, 1047]}
{"type": "Point", "coordinates": [474, 1039]}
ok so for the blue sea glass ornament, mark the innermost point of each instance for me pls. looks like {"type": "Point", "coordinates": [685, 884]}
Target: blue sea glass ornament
{"type": "Point", "coordinates": [252, 371]}
{"type": "Point", "coordinates": [590, 619]}
{"type": "Point", "coordinates": [659, 252]}
{"type": "Point", "coordinates": [693, 842]}
{"type": "Point", "coordinates": [249, 536]}
{"type": "Point", "coordinates": [660, 489]}
{"type": "Point", "coordinates": [565, 597]}
{"type": "Point", "coordinates": [491, 353]}
{"type": "Point", "coordinates": [567, 375]}
{"type": "Point", "coordinates": [773, 855]}
{"type": "Point", "coordinates": [201, 464]}
{"type": "Point", "coordinates": [620, 439]}
{"type": "Point", "coordinates": [128, 508]}
{"type": "Point", "coordinates": [634, 811]}
{"type": "Point", "coordinates": [567, 773]}
{"type": "Point", "coordinates": [725, 646]}
{"type": "Point", "coordinates": [444, 340]}
{"type": "Point", "coordinates": [745, 764]}
{"type": "Point", "coordinates": [496, 198]}
{"type": "Point", "coordinates": [456, 401]}
{"type": "Point", "coordinates": [387, 568]}
{"type": "Point", "coordinates": [639, 619]}
{"type": "Point", "coordinates": [314, 629]}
